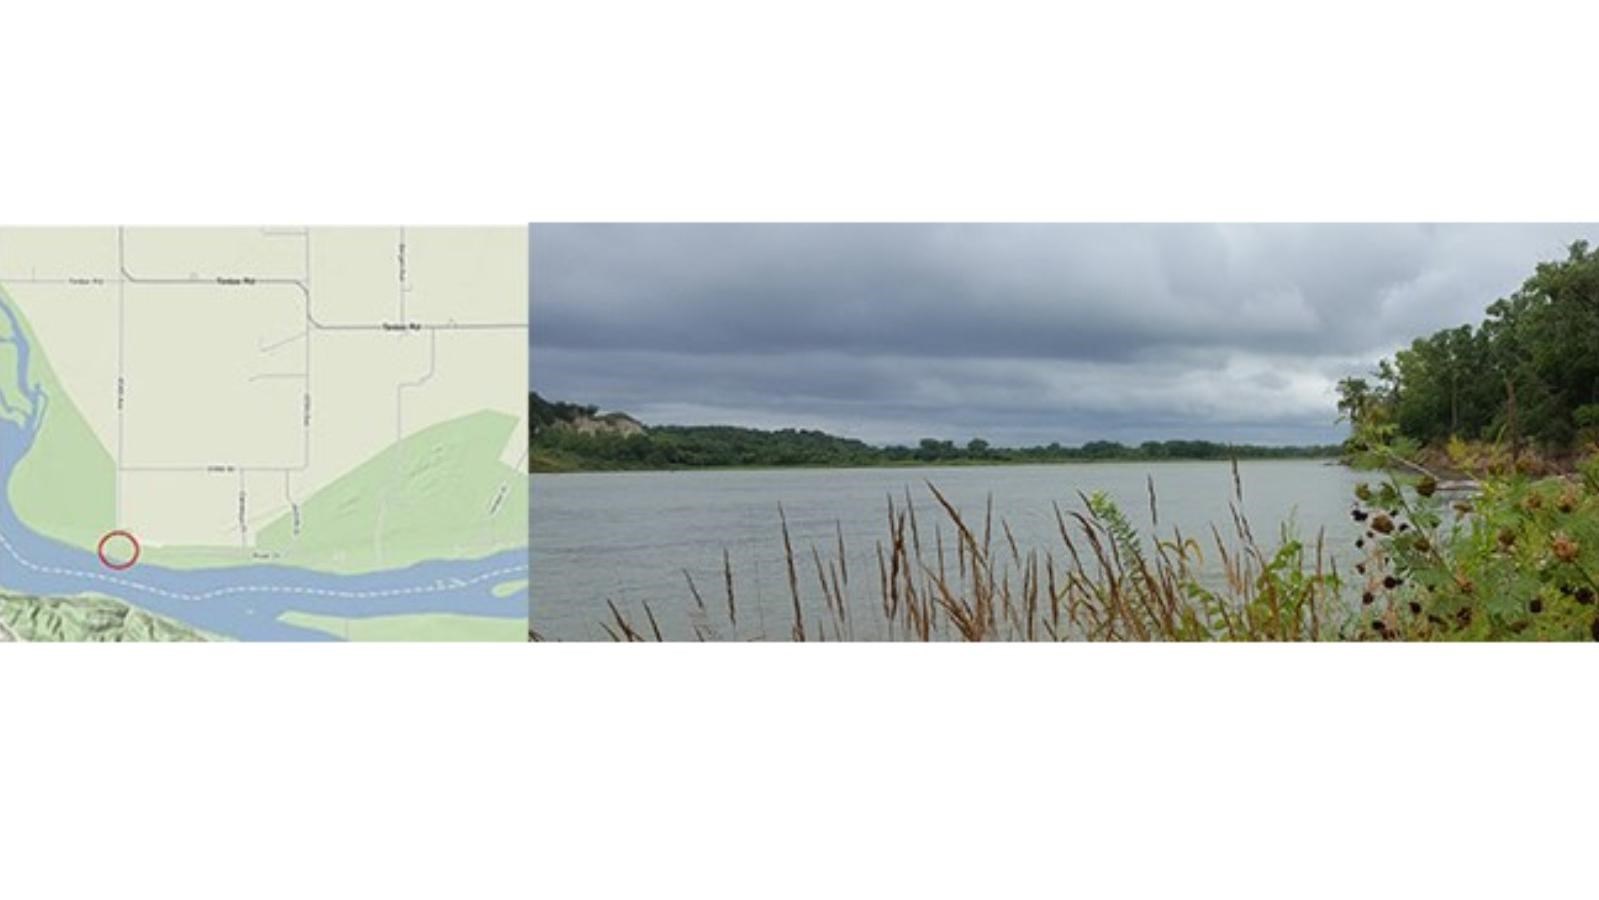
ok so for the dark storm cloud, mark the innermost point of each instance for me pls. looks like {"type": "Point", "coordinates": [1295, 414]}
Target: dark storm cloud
{"type": "Point", "coordinates": [1015, 332]}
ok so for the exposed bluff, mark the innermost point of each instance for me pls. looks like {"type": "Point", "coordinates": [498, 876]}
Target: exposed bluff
{"type": "Point", "coordinates": [582, 419]}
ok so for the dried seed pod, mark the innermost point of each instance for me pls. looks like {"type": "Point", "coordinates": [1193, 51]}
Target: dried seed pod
{"type": "Point", "coordinates": [1564, 548]}
{"type": "Point", "coordinates": [1427, 486]}
{"type": "Point", "coordinates": [1568, 499]}
{"type": "Point", "coordinates": [1382, 524]}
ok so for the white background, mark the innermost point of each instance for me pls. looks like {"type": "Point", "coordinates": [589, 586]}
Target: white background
{"type": "Point", "coordinates": [468, 771]}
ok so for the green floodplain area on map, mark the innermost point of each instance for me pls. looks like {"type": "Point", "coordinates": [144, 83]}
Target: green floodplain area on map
{"type": "Point", "coordinates": [508, 588]}
{"type": "Point", "coordinates": [89, 617]}
{"type": "Point", "coordinates": [65, 487]}
{"type": "Point", "coordinates": [420, 627]}
{"type": "Point", "coordinates": [441, 493]}
{"type": "Point", "coordinates": [433, 492]}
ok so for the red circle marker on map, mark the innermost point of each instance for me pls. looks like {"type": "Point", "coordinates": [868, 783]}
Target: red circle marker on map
{"type": "Point", "coordinates": [133, 556]}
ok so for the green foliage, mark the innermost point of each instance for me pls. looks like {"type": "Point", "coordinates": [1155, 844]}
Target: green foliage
{"type": "Point", "coordinates": [1586, 419]}
{"type": "Point", "coordinates": [1529, 371]}
{"type": "Point", "coordinates": [1518, 561]}
{"type": "Point", "coordinates": [705, 446]}
{"type": "Point", "coordinates": [1123, 535]}
{"type": "Point", "coordinates": [1283, 596]}
{"type": "Point", "coordinates": [670, 447]}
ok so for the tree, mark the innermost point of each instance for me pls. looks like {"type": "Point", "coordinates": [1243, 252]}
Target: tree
{"type": "Point", "coordinates": [1354, 400]}
{"type": "Point", "coordinates": [1538, 345]}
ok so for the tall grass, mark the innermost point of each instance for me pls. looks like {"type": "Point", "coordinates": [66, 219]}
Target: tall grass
{"type": "Point", "coordinates": [969, 580]}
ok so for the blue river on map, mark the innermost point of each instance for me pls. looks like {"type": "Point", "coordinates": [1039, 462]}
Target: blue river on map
{"type": "Point", "coordinates": [242, 602]}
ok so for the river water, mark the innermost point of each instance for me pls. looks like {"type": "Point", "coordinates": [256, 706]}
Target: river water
{"type": "Point", "coordinates": [627, 537]}
{"type": "Point", "coordinates": [240, 602]}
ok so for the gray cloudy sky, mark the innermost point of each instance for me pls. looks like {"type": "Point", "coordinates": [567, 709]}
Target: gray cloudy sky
{"type": "Point", "coordinates": [1020, 334]}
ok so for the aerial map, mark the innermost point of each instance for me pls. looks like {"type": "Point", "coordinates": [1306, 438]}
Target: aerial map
{"type": "Point", "coordinates": [263, 433]}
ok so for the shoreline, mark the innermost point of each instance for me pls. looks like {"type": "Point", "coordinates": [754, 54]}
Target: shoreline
{"type": "Point", "coordinates": [940, 464]}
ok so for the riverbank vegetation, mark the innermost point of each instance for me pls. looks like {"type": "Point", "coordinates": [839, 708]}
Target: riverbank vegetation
{"type": "Point", "coordinates": [1522, 386]}
{"type": "Point", "coordinates": [559, 445]}
{"type": "Point", "coordinates": [942, 574]}
{"type": "Point", "coordinates": [1517, 560]}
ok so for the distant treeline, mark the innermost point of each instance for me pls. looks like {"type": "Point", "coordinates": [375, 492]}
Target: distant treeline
{"type": "Point", "coordinates": [1528, 372]}
{"type": "Point", "coordinates": [682, 447]}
